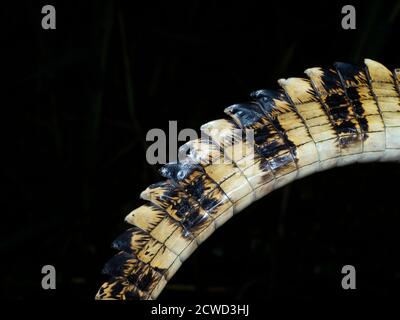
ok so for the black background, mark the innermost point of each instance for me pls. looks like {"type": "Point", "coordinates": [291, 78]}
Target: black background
{"type": "Point", "coordinates": [80, 99]}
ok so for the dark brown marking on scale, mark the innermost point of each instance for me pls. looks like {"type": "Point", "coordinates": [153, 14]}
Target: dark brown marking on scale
{"type": "Point", "coordinates": [122, 265]}
{"type": "Point", "coordinates": [350, 78]}
{"type": "Point", "coordinates": [269, 142]}
{"type": "Point", "coordinates": [177, 203]}
{"type": "Point", "coordinates": [193, 180]}
{"type": "Point", "coordinates": [265, 96]}
{"type": "Point", "coordinates": [136, 272]}
{"type": "Point", "coordinates": [122, 289]}
{"type": "Point", "coordinates": [338, 108]}
{"type": "Point", "coordinates": [328, 78]}
{"type": "Point", "coordinates": [250, 116]}
{"type": "Point", "coordinates": [266, 100]}
{"type": "Point", "coordinates": [243, 137]}
{"type": "Point", "coordinates": [160, 215]}
{"type": "Point", "coordinates": [265, 144]}
{"type": "Point", "coordinates": [188, 217]}
{"type": "Point", "coordinates": [369, 83]}
{"type": "Point", "coordinates": [131, 241]}
{"type": "Point", "coordinates": [255, 121]}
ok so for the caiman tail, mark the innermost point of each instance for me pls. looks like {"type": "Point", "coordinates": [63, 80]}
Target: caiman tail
{"type": "Point", "coordinates": [336, 117]}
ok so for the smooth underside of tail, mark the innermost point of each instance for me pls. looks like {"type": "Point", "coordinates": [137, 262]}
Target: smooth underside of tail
{"type": "Point", "coordinates": [335, 117]}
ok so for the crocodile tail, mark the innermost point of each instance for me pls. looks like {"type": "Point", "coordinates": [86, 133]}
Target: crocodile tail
{"type": "Point", "coordinates": [336, 117]}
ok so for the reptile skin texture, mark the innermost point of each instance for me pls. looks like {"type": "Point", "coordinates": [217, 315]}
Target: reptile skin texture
{"type": "Point", "coordinates": [334, 117]}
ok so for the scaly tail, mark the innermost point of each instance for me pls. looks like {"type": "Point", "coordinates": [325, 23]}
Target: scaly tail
{"type": "Point", "coordinates": [336, 117]}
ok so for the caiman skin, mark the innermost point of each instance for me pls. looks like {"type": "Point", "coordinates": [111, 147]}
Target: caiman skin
{"type": "Point", "coordinates": [336, 117]}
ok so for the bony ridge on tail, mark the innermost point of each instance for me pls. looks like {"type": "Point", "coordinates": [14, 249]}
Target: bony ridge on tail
{"type": "Point", "coordinates": [338, 116]}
